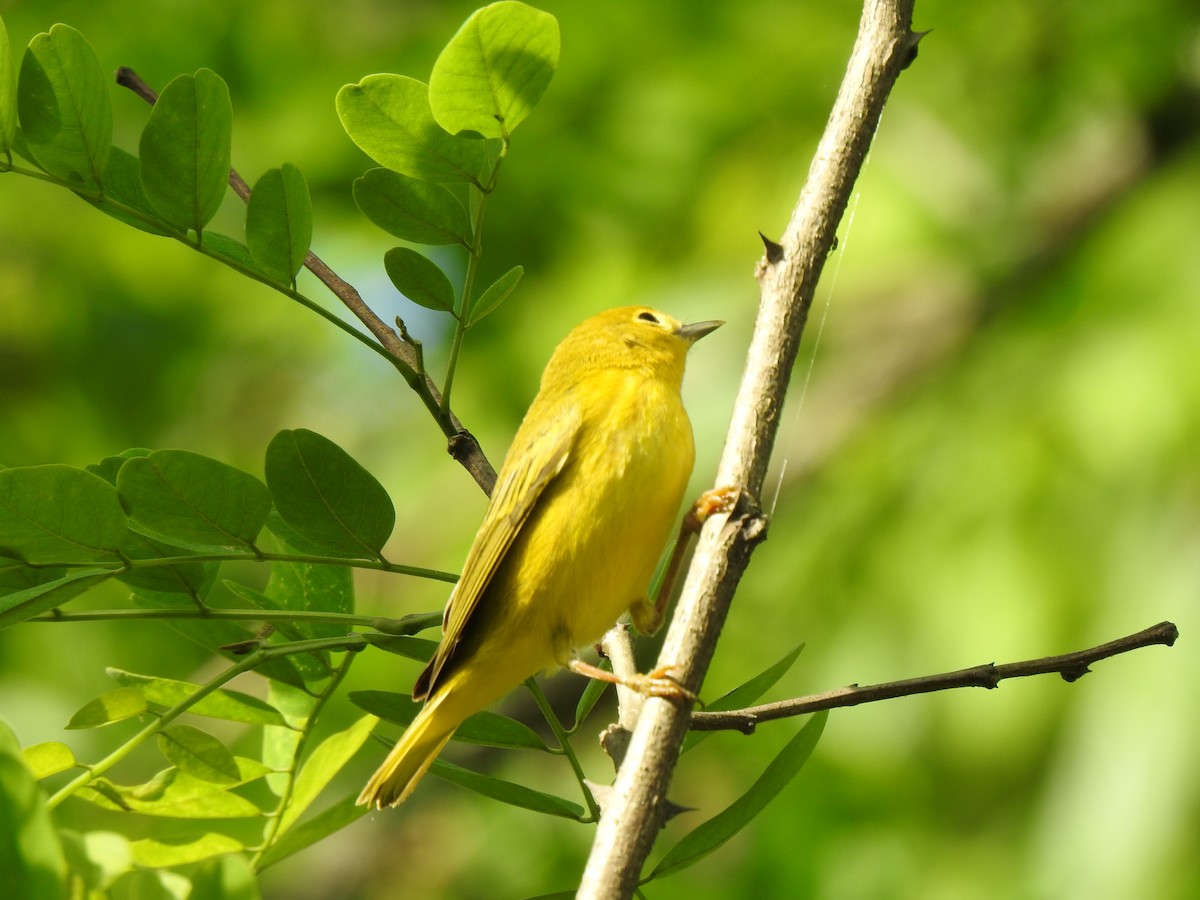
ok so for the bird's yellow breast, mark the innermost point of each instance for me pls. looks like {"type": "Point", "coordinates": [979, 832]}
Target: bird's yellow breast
{"type": "Point", "coordinates": [591, 547]}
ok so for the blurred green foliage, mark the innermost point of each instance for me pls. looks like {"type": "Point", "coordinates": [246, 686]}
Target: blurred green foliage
{"type": "Point", "coordinates": [991, 450]}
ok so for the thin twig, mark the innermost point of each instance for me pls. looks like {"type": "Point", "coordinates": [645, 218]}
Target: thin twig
{"type": "Point", "coordinates": [404, 354]}
{"type": "Point", "coordinates": [1071, 666]}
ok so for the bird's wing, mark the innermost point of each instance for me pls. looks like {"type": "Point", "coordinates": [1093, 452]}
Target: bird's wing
{"type": "Point", "coordinates": [533, 464]}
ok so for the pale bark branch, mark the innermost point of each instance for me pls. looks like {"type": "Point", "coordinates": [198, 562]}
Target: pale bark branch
{"type": "Point", "coordinates": [787, 276]}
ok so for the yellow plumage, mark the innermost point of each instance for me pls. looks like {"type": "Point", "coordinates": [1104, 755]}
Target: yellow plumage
{"type": "Point", "coordinates": [583, 506]}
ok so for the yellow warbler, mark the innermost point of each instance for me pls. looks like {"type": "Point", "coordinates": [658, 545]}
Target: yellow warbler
{"type": "Point", "coordinates": [582, 508]}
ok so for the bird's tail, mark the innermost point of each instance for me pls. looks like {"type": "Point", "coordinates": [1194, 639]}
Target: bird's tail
{"type": "Point", "coordinates": [412, 756]}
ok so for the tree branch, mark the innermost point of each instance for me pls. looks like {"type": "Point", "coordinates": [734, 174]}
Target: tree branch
{"type": "Point", "coordinates": [403, 351]}
{"type": "Point", "coordinates": [1071, 666]}
{"type": "Point", "coordinates": [787, 276]}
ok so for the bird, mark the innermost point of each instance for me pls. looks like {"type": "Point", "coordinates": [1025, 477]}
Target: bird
{"type": "Point", "coordinates": [583, 505]}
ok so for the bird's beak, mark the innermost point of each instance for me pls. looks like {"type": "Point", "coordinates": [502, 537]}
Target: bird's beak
{"type": "Point", "coordinates": [692, 333]}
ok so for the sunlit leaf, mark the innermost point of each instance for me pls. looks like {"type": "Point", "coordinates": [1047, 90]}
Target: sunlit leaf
{"type": "Point", "coordinates": [232, 706]}
{"type": "Point", "coordinates": [327, 496]}
{"type": "Point", "coordinates": [48, 758]}
{"type": "Point", "coordinates": [412, 210]}
{"type": "Point", "coordinates": [312, 587]}
{"type": "Point", "coordinates": [506, 791]}
{"type": "Point", "coordinates": [494, 70]}
{"type": "Point", "coordinates": [185, 150]}
{"type": "Point", "coordinates": [710, 835]}
{"type": "Point", "coordinates": [190, 500]}
{"type": "Point", "coordinates": [225, 878]}
{"type": "Point", "coordinates": [496, 293]}
{"type": "Point", "coordinates": [57, 513]}
{"type": "Point", "coordinates": [419, 279]}
{"type": "Point", "coordinates": [388, 117]}
{"type": "Point", "coordinates": [313, 665]}
{"type": "Point", "coordinates": [175, 794]}
{"type": "Point", "coordinates": [322, 765]}
{"type": "Point", "coordinates": [305, 834]}
{"type": "Point", "coordinates": [162, 854]}
{"type": "Point", "coordinates": [31, 858]}
{"type": "Point", "coordinates": [281, 744]}
{"type": "Point", "coordinates": [279, 223]}
{"type": "Point", "coordinates": [96, 857]}
{"type": "Point", "coordinates": [112, 706]}
{"type": "Point", "coordinates": [64, 108]}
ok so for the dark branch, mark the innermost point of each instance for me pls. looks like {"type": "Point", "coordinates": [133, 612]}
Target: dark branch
{"type": "Point", "coordinates": [1071, 666]}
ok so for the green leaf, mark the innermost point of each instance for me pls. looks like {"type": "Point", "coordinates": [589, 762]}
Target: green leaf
{"type": "Point", "coordinates": [746, 694]}
{"type": "Point", "coordinates": [419, 279]}
{"type": "Point", "coordinates": [506, 791]}
{"type": "Point", "coordinates": [31, 858]}
{"type": "Point", "coordinates": [326, 496]}
{"type": "Point", "coordinates": [8, 92]}
{"type": "Point", "coordinates": [150, 884]}
{"type": "Point", "coordinates": [493, 72]}
{"type": "Point", "coordinates": [496, 294]}
{"type": "Point", "coordinates": [225, 878]}
{"type": "Point", "coordinates": [325, 762]}
{"type": "Point", "coordinates": [160, 854]}
{"type": "Point", "coordinates": [710, 835]}
{"type": "Point", "coordinates": [108, 467]}
{"type": "Point", "coordinates": [412, 210]}
{"type": "Point", "coordinates": [487, 728]}
{"type": "Point", "coordinates": [228, 250]}
{"type": "Point", "coordinates": [211, 634]}
{"type": "Point", "coordinates": [48, 758]}
{"type": "Point", "coordinates": [21, 605]}
{"type": "Point", "coordinates": [65, 108]}
{"type": "Point", "coordinates": [193, 579]}
{"type": "Point", "coordinates": [56, 513]}
{"type": "Point", "coordinates": [173, 794]}
{"type": "Point", "coordinates": [592, 692]}
{"type": "Point", "coordinates": [320, 826]}
{"type": "Point", "coordinates": [192, 501]}
{"type": "Point", "coordinates": [198, 753]}
{"type": "Point", "coordinates": [279, 223]}
{"type": "Point", "coordinates": [97, 857]}
{"type": "Point", "coordinates": [313, 665]}
{"type": "Point", "coordinates": [124, 198]}
{"type": "Point", "coordinates": [280, 745]}
{"type": "Point", "coordinates": [112, 706]}
{"type": "Point", "coordinates": [232, 706]}
{"type": "Point", "coordinates": [388, 117]}
{"type": "Point", "coordinates": [315, 588]}
{"type": "Point", "coordinates": [420, 649]}
{"type": "Point", "coordinates": [185, 150]}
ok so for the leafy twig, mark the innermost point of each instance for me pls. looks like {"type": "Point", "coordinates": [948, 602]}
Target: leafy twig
{"type": "Point", "coordinates": [1071, 666]}
{"type": "Point", "coordinates": [404, 354]}
{"type": "Point", "coordinates": [411, 624]}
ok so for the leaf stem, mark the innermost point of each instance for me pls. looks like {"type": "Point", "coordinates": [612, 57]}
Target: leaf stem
{"type": "Point", "coordinates": [411, 624]}
{"type": "Point", "coordinates": [564, 743]}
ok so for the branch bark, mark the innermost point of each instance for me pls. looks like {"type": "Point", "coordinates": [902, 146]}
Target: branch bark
{"type": "Point", "coordinates": [787, 277]}
{"type": "Point", "coordinates": [1071, 666]}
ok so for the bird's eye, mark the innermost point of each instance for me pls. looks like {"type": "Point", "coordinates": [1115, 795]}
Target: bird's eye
{"type": "Point", "coordinates": [649, 317]}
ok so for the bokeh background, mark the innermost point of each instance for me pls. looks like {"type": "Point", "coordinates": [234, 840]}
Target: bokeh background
{"type": "Point", "coordinates": [990, 450]}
